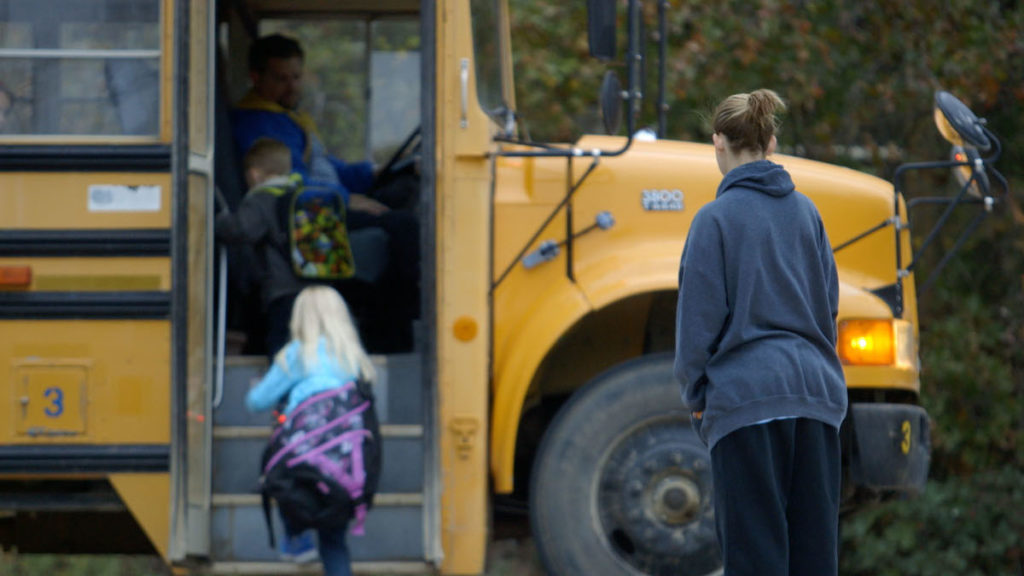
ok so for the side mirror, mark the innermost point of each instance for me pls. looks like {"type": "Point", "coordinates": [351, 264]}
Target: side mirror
{"type": "Point", "coordinates": [611, 102]}
{"type": "Point", "coordinates": [957, 124]}
{"type": "Point", "coordinates": [601, 28]}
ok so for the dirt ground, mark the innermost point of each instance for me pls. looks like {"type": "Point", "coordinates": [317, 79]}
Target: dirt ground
{"type": "Point", "coordinates": [512, 552]}
{"type": "Point", "coordinates": [513, 557]}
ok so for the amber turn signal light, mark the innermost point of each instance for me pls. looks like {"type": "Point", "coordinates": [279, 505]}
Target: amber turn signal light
{"type": "Point", "coordinates": [16, 276]}
{"type": "Point", "coordinates": [866, 342]}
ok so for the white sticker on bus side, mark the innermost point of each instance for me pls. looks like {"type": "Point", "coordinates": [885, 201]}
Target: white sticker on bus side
{"type": "Point", "coordinates": [121, 198]}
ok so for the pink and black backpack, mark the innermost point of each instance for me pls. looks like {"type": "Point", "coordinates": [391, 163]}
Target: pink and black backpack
{"type": "Point", "coordinates": [322, 463]}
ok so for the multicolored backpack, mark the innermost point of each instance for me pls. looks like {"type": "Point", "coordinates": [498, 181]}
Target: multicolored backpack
{"type": "Point", "coordinates": [322, 463]}
{"type": "Point", "coordinates": [313, 218]}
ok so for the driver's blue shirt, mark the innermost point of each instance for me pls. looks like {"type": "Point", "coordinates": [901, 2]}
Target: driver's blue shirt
{"type": "Point", "coordinates": [251, 124]}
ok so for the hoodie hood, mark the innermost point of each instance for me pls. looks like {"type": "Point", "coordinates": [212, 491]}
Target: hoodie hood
{"type": "Point", "coordinates": [762, 176]}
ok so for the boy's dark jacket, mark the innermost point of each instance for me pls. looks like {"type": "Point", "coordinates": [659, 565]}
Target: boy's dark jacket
{"type": "Point", "coordinates": [256, 223]}
{"type": "Point", "coordinates": [758, 299]}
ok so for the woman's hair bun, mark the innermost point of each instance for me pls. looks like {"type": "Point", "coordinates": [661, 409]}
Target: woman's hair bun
{"type": "Point", "coordinates": [749, 120]}
{"type": "Point", "coordinates": [764, 103]}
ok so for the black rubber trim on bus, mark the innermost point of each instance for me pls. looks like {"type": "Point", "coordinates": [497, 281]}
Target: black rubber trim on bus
{"type": "Point", "coordinates": [85, 305]}
{"type": "Point", "coordinates": [83, 158]}
{"type": "Point", "coordinates": [890, 294]}
{"type": "Point", "coordinates": [71, 243]}
{"type": "Point", "coordinates": [68, 458]}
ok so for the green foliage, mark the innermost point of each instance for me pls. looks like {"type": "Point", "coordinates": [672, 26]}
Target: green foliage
{"type": "Point", "coordinates": [972, 348]}
{"type": "Point", "coordinates": [853, 73]}
{"type": "Point", "coordinates": [556, 80]}
{"type": "Point", "coordinates": [64, 565]}
{"type": "Point", "coordinates": [963, 526]}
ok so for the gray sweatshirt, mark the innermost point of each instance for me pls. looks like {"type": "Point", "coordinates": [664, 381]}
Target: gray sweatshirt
{"type": "Point", "coordinates": [758, 299]}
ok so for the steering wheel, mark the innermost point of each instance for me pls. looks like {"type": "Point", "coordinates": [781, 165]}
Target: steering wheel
{"type": "Point", "coordinates": [405, 157]}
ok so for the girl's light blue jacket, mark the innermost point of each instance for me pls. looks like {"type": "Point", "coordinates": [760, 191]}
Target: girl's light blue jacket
{"type": "Point", "coordinates": [296, 381]}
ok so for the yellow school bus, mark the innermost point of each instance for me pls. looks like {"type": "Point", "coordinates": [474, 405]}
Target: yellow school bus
{"type": "Point", "coordinates": [541, 371]}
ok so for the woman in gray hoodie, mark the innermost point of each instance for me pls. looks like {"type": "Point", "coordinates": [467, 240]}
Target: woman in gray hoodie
{"type": "Point", "coordinates": [756, 356]}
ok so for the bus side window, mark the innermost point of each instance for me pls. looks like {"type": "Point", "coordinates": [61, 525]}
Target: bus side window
{"type": "Point", "coordinates": [134, 87]}
{"type": "Point", "coordinates": [6, 104]}
{"type": "Point", "coordinates": [82, 67]}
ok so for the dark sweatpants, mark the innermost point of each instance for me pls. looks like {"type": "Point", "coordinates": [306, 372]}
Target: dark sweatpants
{"type": "Point", "coordinates": [777, 499]}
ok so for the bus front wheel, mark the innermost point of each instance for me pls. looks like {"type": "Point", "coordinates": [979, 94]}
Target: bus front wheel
{"type": "Point", "coordinates": [621, 483]}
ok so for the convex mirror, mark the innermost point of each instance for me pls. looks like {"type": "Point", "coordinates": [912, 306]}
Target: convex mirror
{"type": "Point", "coordinates": [611, 102]}
{"type": "Point", "coordinates": [957, 123]}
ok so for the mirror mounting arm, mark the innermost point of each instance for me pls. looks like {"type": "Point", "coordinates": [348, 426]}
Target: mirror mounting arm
{"type": "Point", "coordinates": [573, 187]}
{"type": "Point", "coordinates": [556, 152]}
{"type": "Point", "coordinates": [997, 147]}
{"type": "Point", "coordinates": [941, 223]}
{"type": "Point", "coordinates": [662, 67]}
{"type": "Point", "coordinates": [986, 204]}
{"type": "Point", "coordinates": [897, 180]}
{"type": "Point", "coordinates": [521, 142]}
{"type": "Point", "coordinates": [975, 222]}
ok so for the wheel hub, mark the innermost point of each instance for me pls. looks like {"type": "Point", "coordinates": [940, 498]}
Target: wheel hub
{"type": "Point", "coordinates": [654, 500]}
{"type": "Point", "coordinates": [675, 499]}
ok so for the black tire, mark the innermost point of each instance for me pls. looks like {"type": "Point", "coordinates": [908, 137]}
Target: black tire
{"type": "Point", "coordinates": [622, 484]}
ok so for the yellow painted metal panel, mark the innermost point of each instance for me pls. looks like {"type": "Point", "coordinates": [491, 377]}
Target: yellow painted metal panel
{"type": "Point", "coordinates": [148, 498]}
{"type": "Point", "coordinates": [199, 341]}
{"type": "Point", "coordinates": [463, 228]}
{"type": "Point", "coordinates": [53, 201]}
{"type": "Point", "coordinates": [167, 73]}
{"type": "Point", "coordinates": [515, 363]}
{"type": "Point", "coordinates": [850, 202]}
{"type": "Point", "coordinates": [49, 400]}
{"type": "Point", "coordinates": [883, 378]}
{"type": "Point", "coordinates": [628, 270]}
{"type": "Point", "coordinates": [95, 274]}
{"type": "Point", "coordinates": [462, 375]}
{"type": "Point", "coordinates": [123, 367]}
{"type": "Point", "coordinates": [200, 79]}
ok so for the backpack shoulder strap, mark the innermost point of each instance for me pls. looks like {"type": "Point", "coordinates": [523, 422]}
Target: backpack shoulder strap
{"type": "Point", "coordinates": [365, 388]}
{"type": "Point", "coordinates": [266, 515]}
{"type": "Point", "coordinates": [281, 186]}
{"type": "Point", "coordinates": [275, 191]}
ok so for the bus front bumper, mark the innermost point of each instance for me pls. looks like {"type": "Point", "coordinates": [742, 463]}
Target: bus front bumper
{"type": "Point", "coordinates": [888, 446]}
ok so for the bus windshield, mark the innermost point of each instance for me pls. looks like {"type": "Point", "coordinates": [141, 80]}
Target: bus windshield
{"type": "Point", "coordinates": [487, 56]}
{"type": "Point", "coordinates": [361, 81]}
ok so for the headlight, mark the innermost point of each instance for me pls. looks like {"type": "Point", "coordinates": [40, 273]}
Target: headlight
{"type": "Point", "coordinates": [876, 342]}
